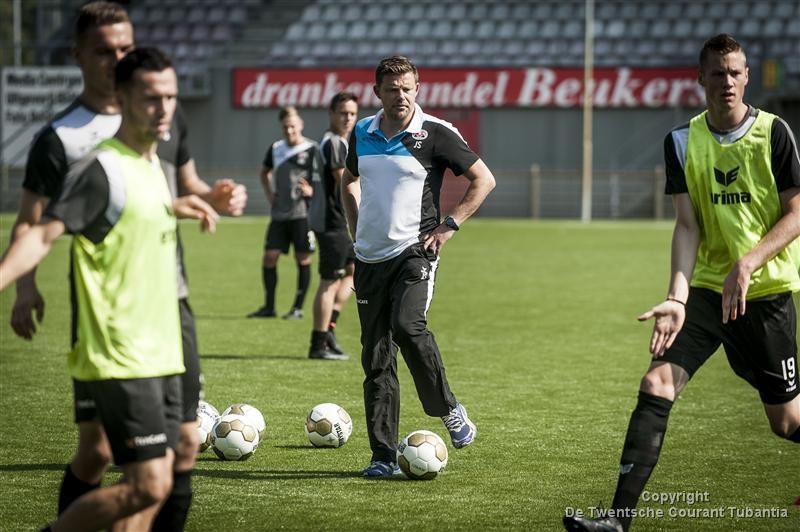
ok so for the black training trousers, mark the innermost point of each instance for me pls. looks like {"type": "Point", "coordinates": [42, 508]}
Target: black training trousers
{"type": "Point", "coordinates": [393, 298]}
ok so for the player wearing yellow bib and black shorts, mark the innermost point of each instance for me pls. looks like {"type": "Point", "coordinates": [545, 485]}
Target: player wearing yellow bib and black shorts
{"type": "Point", "coordinates": [734, 176]}
{"type": "Point", "coordinates": [127, 350]}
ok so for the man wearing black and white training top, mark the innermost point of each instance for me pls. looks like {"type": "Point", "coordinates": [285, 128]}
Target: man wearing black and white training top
{"type": "Point", "coordinates": [395, 166]}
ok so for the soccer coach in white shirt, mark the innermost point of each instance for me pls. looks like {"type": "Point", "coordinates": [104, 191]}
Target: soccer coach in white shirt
{"type": "Point", "coordinates": [395, 167]}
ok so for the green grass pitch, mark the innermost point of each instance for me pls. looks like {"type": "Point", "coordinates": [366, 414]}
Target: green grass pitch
{"type": "Point", "coordinates": [536, 322]}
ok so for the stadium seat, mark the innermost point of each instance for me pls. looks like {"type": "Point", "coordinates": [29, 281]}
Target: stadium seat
{"type": "Point", "coordinates": [573, 29]}
{"type": "Point", "coordinates": [507, 29]}
{"type": "Point", "coordinates": [521, 11]}
{"type": "Point", "coordinates": [196, 14]}
{"type": "Point", "coordinates": [399, 29]}
{"type": "Point", "coordinates": [200, 33]}
{"type": "Point", "coordinates": [694, 11]}
{"type": "Point", "coordinates": [527, 29]}
{"type": "Point", "coordinates": [478, 12]}
{"type": "Point", "coordinates": [237, 15]}
{"type": "Point", "coordinates": [500, 11]}
{"type": "Point", "coordinates": [311, 13]}
{"type": "Point", "coordinates": [785, 10]}
{"type": "Point", "coordinates": [615, 29]}
{"type": "Point", "coordinates": [550, 29]}
{"type": "Point", "coordinates": [378, 30]}
{"type": "Point", "coordinates": [422, 30]}
{"type": "Point", "coordinates": [357, 31]}
{"type": "Point", "coordinates": [542, 11]}
{"type": "Point", "coordinates": [485, 29]}
{"type": "Point", "coordinates": [159, 34]}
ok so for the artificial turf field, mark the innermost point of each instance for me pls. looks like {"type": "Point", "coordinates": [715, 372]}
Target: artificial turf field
{"type": "Point", "coordinates": [536, 322]}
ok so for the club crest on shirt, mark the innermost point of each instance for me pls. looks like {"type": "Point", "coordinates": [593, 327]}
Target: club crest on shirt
{"type": "Point", "coordinates": [301, 157]}
{"type": "Point", "coordinates": [420, 135]}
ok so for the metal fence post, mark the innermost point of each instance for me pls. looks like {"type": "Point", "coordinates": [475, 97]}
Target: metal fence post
{"type": "Point", "coordinates": [658, 192]}
{"type": "Point", "coordinates": [536, 188]}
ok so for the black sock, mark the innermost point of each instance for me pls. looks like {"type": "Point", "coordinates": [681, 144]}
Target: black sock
{"type": "Point", "coordinates": [318, 339]}
{"type": "Point", "coordinates": [71, 489]}
{"type": "Point", "coordinates": [270, 278]}
{"type": "Point", "coordinates": [643, 442]}
{"type": "Point", "coordinates": [334, 317]}
{"type": "Point", "coordinates": [303, 280]}
{"type": "Point", "coordinates": [172, 516]}
{"type": "Point", "coordinates": [795, 436]}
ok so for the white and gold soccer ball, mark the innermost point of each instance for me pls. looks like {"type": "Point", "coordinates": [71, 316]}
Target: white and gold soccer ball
{"type": "Point", "coordinates": [328, 425]}
{"type": "Point", "coordinates": [234, 437]}
{"type": "Point", "coordinates": [250, 412]}
{"type": "Point", "coordinates": [207, 415]}
{"type": "Point", "coordinates": [422, 455]}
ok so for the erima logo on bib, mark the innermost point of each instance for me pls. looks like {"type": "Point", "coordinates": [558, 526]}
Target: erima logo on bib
{"type": "Point", "coordinates": [726, 178]}
{"type": "Point", "coordinates": [728, 198]}
{"type": "Point", "coordinates": [420, 135]}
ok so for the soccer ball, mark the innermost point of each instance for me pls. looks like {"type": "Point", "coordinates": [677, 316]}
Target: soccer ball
{"type": "Point", "coordinates": [234, 437]}
{"type": "Point", "coordinates": [207, 415]}
{"type": "Point", "coordinates": [422, 455]}
{"type": "Point", "coordinates": [250, 412]}
{"type": "Point", "coordinates": [328, 425]}
{"type": "Point", "coordinates": [204, 405]}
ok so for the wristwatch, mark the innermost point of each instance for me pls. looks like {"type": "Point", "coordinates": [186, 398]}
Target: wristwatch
{"type": "Point", "coordinates": [451, 223]}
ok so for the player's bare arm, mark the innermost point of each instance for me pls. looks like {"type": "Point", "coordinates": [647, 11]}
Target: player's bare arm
{"type": "Point", "coordinates": [29, 300]}
{"type": "Point", "coordinates": [194, 207]}
{"type": "Point", "coordinates": [785, 230]}
{"type": "Point", "coordinates": [671, 313]}
{"type": "Point", "coordinates": [29, 250]}
{"type": "Point", "coordinates": [266, 182]}
{"type": "Point", "coordinates": [481, 183]}
{"type": "Point", "coordinates": [226, 196]}
{"type": "Point", "coordinates": [351, 199]}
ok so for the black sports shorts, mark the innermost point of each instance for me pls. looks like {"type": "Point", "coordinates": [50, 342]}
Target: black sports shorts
{"type": "Point", "coordinates": [141, 417]}
{"type": "Point", "coordinates": [191, 381]}
{"type": "Point", "coordinates": [335, 253]}
{"type": "Point", "coordinates": [282, 233]}
{"type": "Point", "coordinates": [760, 345]}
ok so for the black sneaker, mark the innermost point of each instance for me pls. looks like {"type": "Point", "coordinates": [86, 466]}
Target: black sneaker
{"type": "Point", "coordinates": [263, 312]}
{"type": "Point", "coordinates": [326, 354]}
{"type": "Point", "coordinates": [293, 314]}
{"type": "Point", "coordinates": [333, 345]}
{"type": "Point", "coordinates": [588, 524]}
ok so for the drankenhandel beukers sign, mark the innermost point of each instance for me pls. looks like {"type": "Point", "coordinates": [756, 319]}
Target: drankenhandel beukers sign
{"type": "Point", "coordinates": [475, 88]}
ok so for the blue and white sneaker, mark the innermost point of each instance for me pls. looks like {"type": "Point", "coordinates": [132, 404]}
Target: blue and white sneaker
{"type": "Point", "coordinates": [380, 469]}
{"type": "Point", "coordinates": [462, 430]}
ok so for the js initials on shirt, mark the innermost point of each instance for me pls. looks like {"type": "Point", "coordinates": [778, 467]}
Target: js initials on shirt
{"type": "Point", "coordinates": [726, 178]}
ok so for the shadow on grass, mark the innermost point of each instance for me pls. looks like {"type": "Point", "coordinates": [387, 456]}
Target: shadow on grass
{"type": "Point", "coordinates": [230, 317]}
{"type": "Point", "coordinates": [267, 474]}
{"type": "Point", "coordinates": [222, 356]}
{"type": "Point", "coordinates": [33, 467]}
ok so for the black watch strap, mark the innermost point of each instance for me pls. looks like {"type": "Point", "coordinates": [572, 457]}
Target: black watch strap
{"type": "Point", "coordinates": [451, 223]}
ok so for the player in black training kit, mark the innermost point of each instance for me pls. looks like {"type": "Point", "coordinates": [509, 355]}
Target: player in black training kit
{"type": "Point", "coordinates": [288, 170]}
{"type": "Point", "coordinates": [327, 219]}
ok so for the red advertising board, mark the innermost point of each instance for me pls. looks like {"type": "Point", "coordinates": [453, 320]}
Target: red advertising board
{"type": "Point", "coordinates": [475, 88]}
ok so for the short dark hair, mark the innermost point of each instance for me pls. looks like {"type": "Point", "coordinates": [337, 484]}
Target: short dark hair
{"type": "Point", "coordinates": [721, 44]}
{"type": "Point", "coordinates": [395, 65]}
{"type": "Point", "coordinates": [96, 14]}
{"type": "Point", "coordinates": [149, 59]}
{"type": "Point", "coordinates": [342, 97]}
